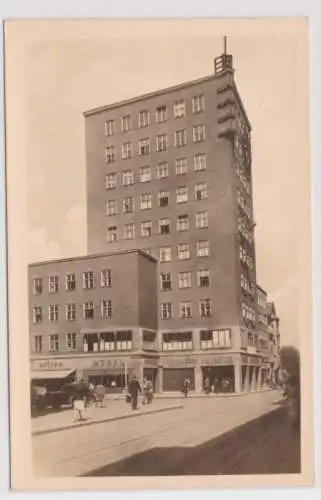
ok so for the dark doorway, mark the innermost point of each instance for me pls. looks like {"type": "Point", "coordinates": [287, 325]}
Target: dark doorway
{"type": "Point", "coordinates": [173, 378]}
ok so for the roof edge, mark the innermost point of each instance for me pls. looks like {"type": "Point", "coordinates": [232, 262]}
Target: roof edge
{"type": "Point", "coordinates": [132, 100]}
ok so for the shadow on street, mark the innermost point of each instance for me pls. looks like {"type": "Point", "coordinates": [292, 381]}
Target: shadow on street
{"type": "Point", "coordinates": [266, 445]}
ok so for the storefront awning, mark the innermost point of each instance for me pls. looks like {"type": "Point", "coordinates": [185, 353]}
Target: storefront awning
{"type": "Point", "coordinates": [50, 374]}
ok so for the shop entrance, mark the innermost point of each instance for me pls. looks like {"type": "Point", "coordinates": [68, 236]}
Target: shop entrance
{"type": "Point", "coordinates": [221, 378]}
{"type": "Point", "coordinates": [173, 378]}
{"type": "Point", "coordinates": [151, 374]}
{"type": "Point", "coordinates": [114, 383]}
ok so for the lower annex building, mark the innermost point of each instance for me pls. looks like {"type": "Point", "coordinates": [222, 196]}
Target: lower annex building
{"type": "Point", "coordinates": [96, 318]}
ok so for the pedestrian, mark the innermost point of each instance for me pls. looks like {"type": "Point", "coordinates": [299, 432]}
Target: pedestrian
{"type": "Point", "coordinates": [134, 389]}
{"type": "Point", "coordinates": [207, 386]}
{"type": "Point", "coordinates": [79, 407]}
{"type": "Point", "coordinates": [100, 395]}
{"type": "Point", "coordinates": [186, 387]}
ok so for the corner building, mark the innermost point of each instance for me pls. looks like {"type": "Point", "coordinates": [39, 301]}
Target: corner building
{"type": "Point", "coordinates": [170, 173]}
{"type": "Point", "coordinates": [94, 317]}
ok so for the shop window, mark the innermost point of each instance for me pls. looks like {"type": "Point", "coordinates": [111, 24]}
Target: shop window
{"type": "Point", "coordinates": [124, 340]}
{"type": "Point", "coordinates": [180, 341]}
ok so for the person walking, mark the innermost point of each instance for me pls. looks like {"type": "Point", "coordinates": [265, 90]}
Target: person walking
{"type": "Point", "coordinates": [134, 389]}
{"type": "Point", "coordinates": [100, 395]}
{"type": "Point", "coordinates": [186, 387]}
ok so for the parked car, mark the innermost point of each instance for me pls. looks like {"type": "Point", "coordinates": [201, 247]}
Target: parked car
{"type": "Point", "coordinates": [37, 397]}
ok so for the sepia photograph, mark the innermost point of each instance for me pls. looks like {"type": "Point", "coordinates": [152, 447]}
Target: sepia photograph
{"type": "Point", "coordinates": [159, 252]}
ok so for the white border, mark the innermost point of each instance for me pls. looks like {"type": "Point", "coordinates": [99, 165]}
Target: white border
{"type": "Point", "coordinates": [32, 9]}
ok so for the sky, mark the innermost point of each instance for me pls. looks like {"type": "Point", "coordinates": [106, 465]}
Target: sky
{"type": "Point", "coordinates": [76, 66]}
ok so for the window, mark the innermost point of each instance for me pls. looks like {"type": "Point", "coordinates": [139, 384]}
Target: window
{"type": "Point", "coordinates": [205, 308]}
{"type": "Point", "coordinates": [178, 341]}
{"type": "Point", "coordinates": [128, 205]}
{"type": "Point", "coordinates": [70, 282]}
{"type": "Point", "coordinates": [110, 154]}
{"type": "Point", "coordinates": [70, 312]}
{"type": "Point", "coordinates": [181, 195]}
{"type": "Point", "coordinates": [37, 286]}
{"type": "Point", "coordinates": [106, 309]}
{"type": "Point", "coordinates": [105, 278]}
{"type": "Point", "coordinates": [106, 341]}
{"type": "Point", "coordinates": [37, 314]}
{"type": "Point", "coordinates": [164, 226]}
{"type": "Point", "coordinates": [184, 280]}
{"type": "Point", "coordinates": [88, 310]}
{"type": "Point", "coordinates": [216, 338]}
{"type": "Point", "coordinates": [165, 254]}
{"type": "Point", "coordinates": [126, 150]}
{"type": "Point", "coordinates": [145, 201]}
{"type": "Point", "coordinates": [165, 281]}
{"type": "Point", "coordinates": [37, 343]}
{"type": "Point", "coordinates": [179, 109]}
{"type": "Point", "coordinates": [186, 309]}
{"type": "Point", "coordinates": [161, 114]}
{"type": "Point", "coordinates": [143, 119]}
{"type": "Point", "coordinates": [163, 198]}
{"type": "Point", "coordinates": [183, 251]}
{"type": "Point", "coordinates": [166, 310]}
{"type": "Point", "coordinates": [144, 147]}
{"type": "Point", "coordinates": [181, 166]}
{"type": "Point", "coordinates": [180, 138]}
{"type": "Point", "coordinates": [182, 223]}
{"type": "Point", "coordinates": [128, 178]}
{"type": "Point", "coordinates": [146, 229]}
{"type": "Point", "coordinates": [70, 340]}
{"type": "Point", "coordinates": [161, 142]}
{"type": "Point", "coordinates": [129, 231]}
{"type": "Point", "coordinates": [248, 313]}
{"type": "Point", "coordinates": [201, 219]}
{"type": "Point", "coordinates": [109, 127]}
{"type": "Point", "coordinates": [162, 170]}
{"type": "Point", "coordinates": [53, 343]}
{"type": "Point", "coordinates": [203, 248]}
{"type": "Point", "coordinates": [199, 133]}
{"type": "Point", "coordinates": [203, 278]}
{"type": "Point", "coordinates": [53, 313]}
{"type": "Point", "coordinates": [126, 123]}
{"type": "Point", "coordinates": [110, 181]}
{"type": "Point", "coordinates": [111, 207]}
{"type": "Point", "coordinates": [112, 234]}
{"type": "Point", "coordinates": [53, 284]}
{"type": "Point", "coordinates": [145, 174]}
{"type": "Point", "coordinates": [124, 340]}
{"type": "Point", "coordinates": [88, 280]}
{"type": "Point", "coordinates": [200, 191]}
{"type": "Point", "coordinates": [198, 103]}
{"type": "Point", "coordinates": [200, 162]}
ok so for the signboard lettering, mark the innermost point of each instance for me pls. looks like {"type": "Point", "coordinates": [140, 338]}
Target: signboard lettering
{"type": "Point", "coordinates": [47, 365]}
{"type": "Point", "coordinates": [108, 363]}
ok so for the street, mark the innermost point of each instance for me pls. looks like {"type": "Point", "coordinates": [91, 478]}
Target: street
{"type": "Point", "coordinates": [233, 435]}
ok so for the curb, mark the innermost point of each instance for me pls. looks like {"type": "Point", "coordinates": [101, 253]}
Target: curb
{"type": "Point", "coordinates": [160, 396]}
{"type": "Point", "coordinates": [107, 419]}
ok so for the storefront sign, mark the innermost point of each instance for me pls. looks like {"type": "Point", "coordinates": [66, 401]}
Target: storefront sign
{"type": "Point", "coordinates": [151, 363]}
{"type": "Point", "coordinates": [47, 365]}
{"type": "Point", "coordinates": [251, 360]}
{"type": "Point", "coordinates": [178, 362]}
{"type": "Point", "coordinates": [108, 363]}
{"type": "Point", "coordinates": [217, 360]}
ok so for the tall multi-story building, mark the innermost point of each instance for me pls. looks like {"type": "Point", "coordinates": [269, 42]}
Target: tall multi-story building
{"type": "Point", "coordinates": [170, 173]}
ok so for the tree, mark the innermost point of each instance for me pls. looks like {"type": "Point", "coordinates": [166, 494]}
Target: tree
{"type": "Point", "coordinates": [290, 360]}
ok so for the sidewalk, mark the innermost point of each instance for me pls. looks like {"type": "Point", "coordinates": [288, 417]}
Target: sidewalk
{"type": "Point", "coordinates": [113, 410]}
{"type": "Point", "coordinates": [179, 395]}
